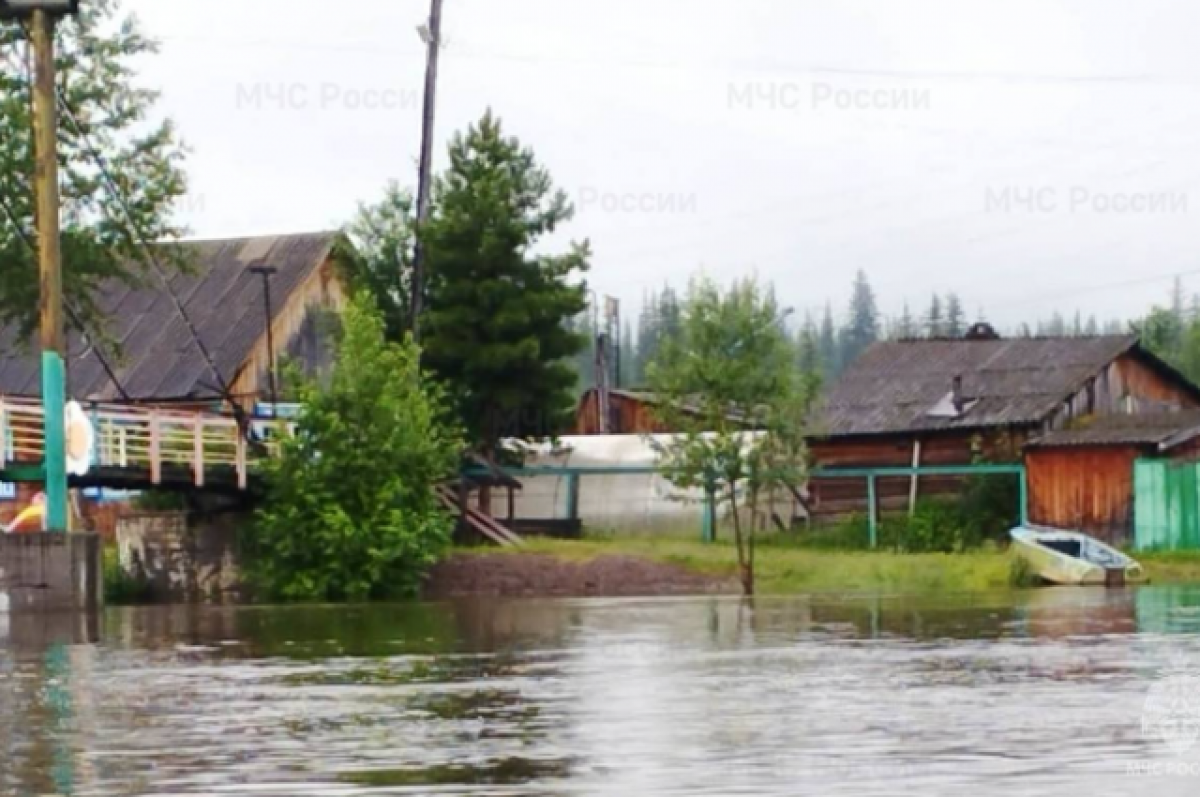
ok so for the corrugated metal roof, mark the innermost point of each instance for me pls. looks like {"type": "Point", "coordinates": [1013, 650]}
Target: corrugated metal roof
{"type": "Point", "coordinates": [893, 386]}
{"type": "Point", "coordinates": [1159, 429]}
{"type": "Point", "coordinates": [159, 359]}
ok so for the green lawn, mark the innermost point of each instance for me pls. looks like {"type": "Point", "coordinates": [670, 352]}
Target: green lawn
{"type": "Point", "coordinates": [784, 569]}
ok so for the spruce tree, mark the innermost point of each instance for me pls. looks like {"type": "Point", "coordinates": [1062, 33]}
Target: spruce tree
{"type": "Point", "coordinates": [956, 318]}
{"type": "Point", "coordinates": [935, 324]}
{"type": "Point", "coordinates": [808, 349]}
{"type": "Point", "coordinates": [831, 364]}
{"type": "Point", "coordinates": [906, 328]}
{"type": "Point", "coordinates": [862, 328]}
{"type": "Point", "coordinates": [495, 329]}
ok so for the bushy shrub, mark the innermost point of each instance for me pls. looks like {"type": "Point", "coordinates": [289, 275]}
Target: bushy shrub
{"type": "Point", "coordinates": [350, 511]}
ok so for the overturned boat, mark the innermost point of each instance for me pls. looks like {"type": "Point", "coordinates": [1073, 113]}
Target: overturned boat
{"type": "Point", "coordinates": [1068, 557]}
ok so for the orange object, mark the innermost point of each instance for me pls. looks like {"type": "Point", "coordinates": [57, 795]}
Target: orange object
{"type": "Point", "coordinates": [32, 518]}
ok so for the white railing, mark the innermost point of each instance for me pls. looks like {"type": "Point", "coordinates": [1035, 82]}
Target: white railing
{"type": "Point", "coordinates": [135, 439]}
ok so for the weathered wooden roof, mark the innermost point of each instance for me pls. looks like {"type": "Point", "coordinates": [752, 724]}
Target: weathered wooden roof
{"type": "Point", "coordinates": [159, 359]}
{"type": "Point", "coordinates": [1161, 430]}
{"type": "Point", "coordinates": [895, 386]}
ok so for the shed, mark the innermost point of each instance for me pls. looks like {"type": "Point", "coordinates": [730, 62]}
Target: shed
{"type": "Point", "coordinates": [1083, 478]}
{"type": "Point", "coordinates": [629, 412]}
{"type": "Point", "coordinates": [953, 402]}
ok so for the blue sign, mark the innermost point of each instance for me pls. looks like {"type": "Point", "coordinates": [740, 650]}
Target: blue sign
{"type": "Point", "coordinates": [8, 491]}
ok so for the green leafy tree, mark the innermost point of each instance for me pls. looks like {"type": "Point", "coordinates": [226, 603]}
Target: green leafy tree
{"type": "Point", "coordinates": [496, 329]}
{"type": "Point", "coordinates": [729, 387]}
{"type": "Point", "coordinates": [111, 114]}
{"type": "Point", "coordinates": [350, 511]}
{"type": "Point", "coordinates": [380, 258]}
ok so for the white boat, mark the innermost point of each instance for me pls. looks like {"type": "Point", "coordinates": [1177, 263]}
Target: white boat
{"type": "Point", "coordinates": [1068, 557]}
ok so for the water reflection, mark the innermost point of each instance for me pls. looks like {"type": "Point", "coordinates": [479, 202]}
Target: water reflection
{"type": "Point", "coordinates": [1035, 693]}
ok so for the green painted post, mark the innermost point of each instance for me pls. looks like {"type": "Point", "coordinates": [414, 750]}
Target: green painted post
{"type": "Point", "coordinates": [54, 391]}
{"type": "Point", "coordinates": [708, 531]}
{"type": "Point", "coordinates": [873, 512]}
{"type": "Point", "coordinates": [1024, 478]}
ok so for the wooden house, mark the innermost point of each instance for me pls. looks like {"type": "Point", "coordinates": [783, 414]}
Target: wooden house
{"type": "Point", "coordinates": [629, 412]}
{"type": "Point", "coordinates": [1083, 478]}
{"type": "Point", "coordinates": [954, 402]}
{"type": "Point", "coordinates": [153, 354]}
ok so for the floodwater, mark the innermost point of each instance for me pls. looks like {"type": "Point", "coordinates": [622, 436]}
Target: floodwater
{"type": "Point", "coordinates": [1054, 692]}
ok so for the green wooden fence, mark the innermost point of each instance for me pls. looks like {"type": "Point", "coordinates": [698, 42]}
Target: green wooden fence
{"type": "Point", "coordinates": [1166, 505]}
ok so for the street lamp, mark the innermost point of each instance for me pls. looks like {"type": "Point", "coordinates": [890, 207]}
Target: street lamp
{"type": "Point", "coordinates": [266, 273]}
{"type": "Point", "coordinates": [42, 16]}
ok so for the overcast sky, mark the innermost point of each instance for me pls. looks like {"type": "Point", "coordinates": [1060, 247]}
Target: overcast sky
{"type": "Point", "coordinates": [1027, 154]}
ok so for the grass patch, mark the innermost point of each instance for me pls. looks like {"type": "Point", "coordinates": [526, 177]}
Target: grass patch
{"type": "Point", "coordinates": [789, 568]}
{"type": "Point", "coordinates": [1178, 567]}
{"type": "Point", "coordinates": [783, 569]}
{"type": "Point", "coordinates": [120, 588]}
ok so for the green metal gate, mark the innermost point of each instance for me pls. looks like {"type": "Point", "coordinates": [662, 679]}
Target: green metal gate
{"type": "Point", "coordinates": [1166, 505]}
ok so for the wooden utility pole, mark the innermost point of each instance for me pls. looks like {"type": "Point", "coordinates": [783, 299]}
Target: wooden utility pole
{"type": "Point", "coordinates": [433, 41]}
{"type": "Point", "coordinates": [45, 125]}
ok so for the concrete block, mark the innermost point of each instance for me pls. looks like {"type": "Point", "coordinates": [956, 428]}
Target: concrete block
{"type": "Point", "coordinates": [44, 573]}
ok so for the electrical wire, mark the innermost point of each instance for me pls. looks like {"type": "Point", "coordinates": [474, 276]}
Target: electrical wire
{"type": "Point", "coordinates": [75, 316]}
{"type": "Point", "coordinates": [135, 237]}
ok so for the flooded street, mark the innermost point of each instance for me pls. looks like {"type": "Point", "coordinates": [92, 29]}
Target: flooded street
{"type": "Point", "coordinates": [1037, 693]}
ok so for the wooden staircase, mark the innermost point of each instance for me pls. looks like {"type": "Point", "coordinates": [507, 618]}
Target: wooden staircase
{"type": "Point", "coordinates": [481, 523]}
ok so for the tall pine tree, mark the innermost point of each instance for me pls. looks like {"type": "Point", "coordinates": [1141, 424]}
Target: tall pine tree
{"type": "Point", "coordinates": [956, 317]}
{"type": "Point", "coordinates": [862, 327]}
{"type": "Point", "coordinates": [935, 323]}
{"type": "Point", "coordinates": [831, 361]}
{"type": "Point", "coordinates": [496, 327]}
{"type": "Point", "coordinates": [808, 349]}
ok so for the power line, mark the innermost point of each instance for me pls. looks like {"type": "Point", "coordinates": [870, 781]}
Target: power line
{"type": "Point", "coordinates": [135, 237]}
{"type": "Point", "coordinates": [75, 315]}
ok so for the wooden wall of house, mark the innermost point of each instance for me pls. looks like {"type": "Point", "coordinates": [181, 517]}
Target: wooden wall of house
{"type": "Point", "coordinates": [323, 289]}
{"type": "Point", "coordinates": [628, 415]}
{"type": "Point", "coordinates": [1086, 488]}
{"type": "Point", "coordinates": [838, 497]}
{"type": "Point", "coordinates": [1127, 385]}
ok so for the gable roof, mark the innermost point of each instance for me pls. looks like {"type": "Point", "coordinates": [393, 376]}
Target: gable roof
{"type": "Point", "coordinates": [894, 385]}
{"type": "Point", "coordinates": [1163, 431]}
{"type": "Point", "coordinates": [158, 357]}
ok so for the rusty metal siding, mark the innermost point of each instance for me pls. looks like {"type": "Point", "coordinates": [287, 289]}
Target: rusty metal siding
{"type": "Point", "coordinates": [1085, 488]}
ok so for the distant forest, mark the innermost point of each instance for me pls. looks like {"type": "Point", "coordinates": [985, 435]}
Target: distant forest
{"type": "Point", "coordinates": [825, 346]}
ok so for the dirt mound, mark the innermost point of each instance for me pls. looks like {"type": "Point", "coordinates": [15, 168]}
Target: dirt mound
{"type": "Point", "coordinates": [540, 575]}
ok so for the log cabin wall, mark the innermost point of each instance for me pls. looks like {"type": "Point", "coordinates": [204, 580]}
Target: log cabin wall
{"type": "Point", "coordinates": [838, 497]}
{"type": "Point", "coordinates": [628, 414]}
{"type": "Point", "coordinates": [1127, 385]}
{"type": "Point", "coordinates": [322, 290]}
